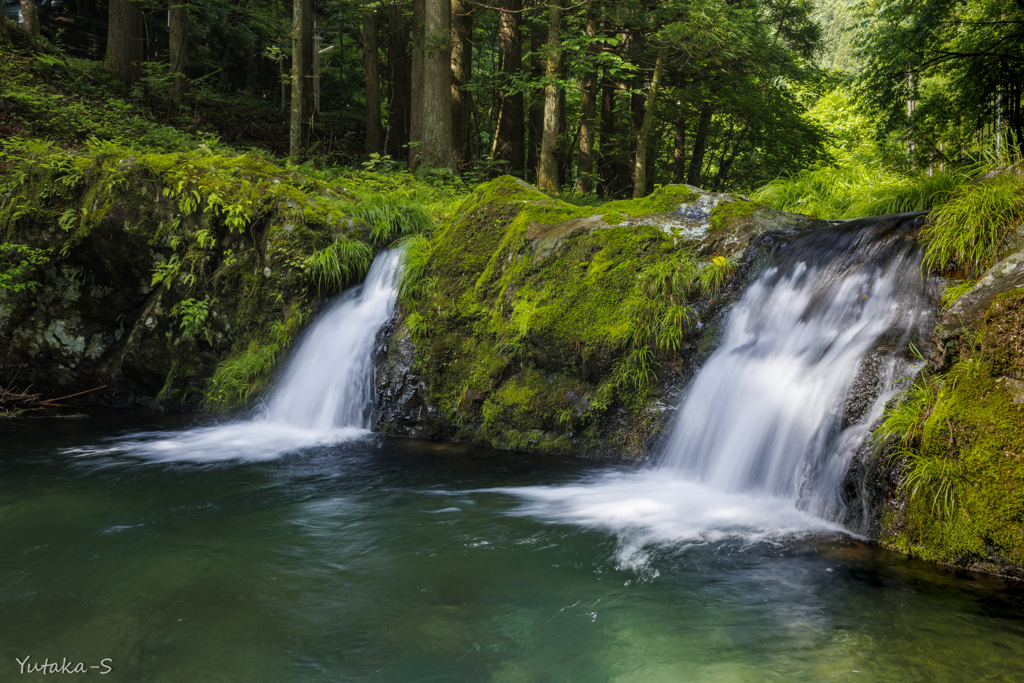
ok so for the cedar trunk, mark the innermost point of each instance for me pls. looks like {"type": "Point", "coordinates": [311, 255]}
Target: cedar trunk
{"type": "Point", "coordinates": [547, 178]}
{"type": "Point", "coordinates": [509, 138]}
{"type": "Point", "coordinates": [416, 86]}
{"type": "Point", "coordinates": [700, 142]}
{"type": "Point", "coordinates": [398, 92]}
{"type": "Point", "coordinates": [371, 67]}
{"type": "Point", "coordinates": [29, 17]}
{"type": "Point", "coordinates": [437, 86]}
{"type": "Point", "coordinates": [462, 73]}
{"type": "Point", "coordinates": [178, 38]}
{"type": "Point", "coordinates": [585, 167]}
{"type": "Point", "coordinates": [298, 82]}
{"type": "Point", "coordinates": [640, 170]}
{"type": "Point", "coordinates": [124, 40]}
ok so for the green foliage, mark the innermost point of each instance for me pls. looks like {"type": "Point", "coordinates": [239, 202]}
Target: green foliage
{"type": "Point", "coordinates": [953, 292]}
{"type": "Point", "coordinates": [391, 216]}
{"type": "Point", "coordinates": [857, 189]}
{"type": "Point", "coordinates": [17, 261]}
{"type": "Point", "coordinates": [247, 371]}
{"type": "Point", "coordinates": [194, 316]}
{"type": "Point", "coordinates": [414, 283]}
{"type": "Point", "coordinates": [341, 263]}
{"type": "Point", "coordinates": [972, 229]}
{"type": "Point", "coordinates": [905, 416]}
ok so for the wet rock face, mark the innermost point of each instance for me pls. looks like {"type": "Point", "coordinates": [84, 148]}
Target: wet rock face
{"type": "Point", "coordinates": [967, 314]}
{"type": "Point", "coordinates": [522, 338]}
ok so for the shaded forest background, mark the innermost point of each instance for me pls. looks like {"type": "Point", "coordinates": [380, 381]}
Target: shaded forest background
{"type": "Point", "coordinates": [592, 97]}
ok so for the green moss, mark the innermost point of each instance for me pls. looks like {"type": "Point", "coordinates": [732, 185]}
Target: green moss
{"type": "Point", "coordinates": [530, 308]}
{"type": "Point", "coordinates": [1002, 342]}
{"type": "Point", "coordinates": [663, 200]}
{"type": "Point", "coordinates": [727, 215]}
{"type": "Point", "coordinates": [966, 505]}
{"type": "Point", "coordinates": [613, 218]}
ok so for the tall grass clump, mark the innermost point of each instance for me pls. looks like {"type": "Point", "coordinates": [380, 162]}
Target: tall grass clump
{"type": "Point", "coordinates": [390, 216]}
{"type": "Point", "coordinates": [413, 282]}
{"type": "Point", "coordinates": [975, 226]}
{"type": "Point", "coordinates": [342, 262]}
{"type": "Point", "coordinates": [856, 190]}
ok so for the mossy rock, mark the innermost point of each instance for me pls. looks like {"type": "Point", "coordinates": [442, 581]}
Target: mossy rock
{"type": "Point", "coordinates": [133, 240]}
{"type": "Point", "coordinates": [523, 338]}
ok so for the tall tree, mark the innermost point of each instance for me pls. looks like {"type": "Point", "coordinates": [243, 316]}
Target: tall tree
{"type": "Point", "coordinates": [371, 68]}
{"type": "Point", "coordinates": [585, 167]}
{"type": "Point", "coordinates": [700, 140]}
{"type": "Point", "coordinates": [177, 17]}
{"type": "Point", "coordinates": [399, 66]}
{"type": "Point", "coordinates": [419, 12]}
{"type": "Point", "coordinates": [297, 118]}
{"type": "Point", "coordinates": [462, 74]}
{"type": "Point", "coordinates": [29, 17]}
{"type": "Point", "coordinates": [437, 86]}
{"type": "Point", "coordinates": [640, 167]}
{"type": "Point", "coordinates": [547, 178]}
{"type": "Point", "coordinates": [509, 138]}
{"type": "Point", "coordinates": [124, 40]}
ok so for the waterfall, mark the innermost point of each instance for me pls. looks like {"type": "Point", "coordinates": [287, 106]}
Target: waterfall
{"type": "Point", "coordinates": [322, 397]}
{"type": "Point", "coordinates": [328, 382]}
{"type": "Point", "coordinates": [763, 438]}
{"type": "Point", "coordinates": [766, 412]}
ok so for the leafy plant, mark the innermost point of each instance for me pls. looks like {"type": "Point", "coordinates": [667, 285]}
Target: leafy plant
{"type": "Point", "coordinates": [413, 282]}
{"type": "Point", "coordinates": [194, 315]}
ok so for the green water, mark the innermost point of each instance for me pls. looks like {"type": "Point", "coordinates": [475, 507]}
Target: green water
{"type": "Point", "coordinates": [397, 560]}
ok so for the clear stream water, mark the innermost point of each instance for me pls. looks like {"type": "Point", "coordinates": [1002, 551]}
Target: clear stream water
{"type": "Point", "coordinates": [308, 549]}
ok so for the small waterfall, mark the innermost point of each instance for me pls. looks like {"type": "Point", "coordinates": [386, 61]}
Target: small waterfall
{"type": "Point", "coordinates": [322, 397]}
{"type": "Point", "coordinates": [767, 413]}
{"type": "Point", "coordinates": [328, 382]}
{"type": "Point", "coordinates": [764, 437]}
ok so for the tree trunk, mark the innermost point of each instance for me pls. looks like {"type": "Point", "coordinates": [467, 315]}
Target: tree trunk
{"type": "Point", "coordinates": [416, 87]}
{"type": "Point", "coordinates": [298, 82]}
{"type": "Point", "coordinates": [640, 170]}
{"type": "Point", "coordinates": [585, 167]}
{"type": "Point", "coordinates": [509, 137]}
{"type": "Point", "coordinates": [178, 38]}
{"type": "Point", "coordinates": [307, 60]}
{"type": "Point", "coordinates": [700, 141]}
{"type": "Point", "coordinates": [547, 178]}
{"type": "Point", "coordinates": [679, 150]}
{"type": "Point", "coordinates": [29, 17]}
{"type": "Point", "coordinates": [437, 86]}
{"type": "Point", "coordinates": [280, 60]}
{"type": "Point", "coordinates": [606, 166]}
{"type": "Point", "coordinates": [124, 40]}
{"type": "Point", "coordinates": [535, 116]}
{"type": "Point", "coordinates": [371, 68]}
{"type": "Point", "coordinates": [462, 73]}
{"type": "Point", "coordinates": [398, 92]}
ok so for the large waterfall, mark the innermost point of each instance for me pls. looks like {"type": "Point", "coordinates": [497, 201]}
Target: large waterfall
{"type": "Point", "coordinates": [323, 396]}
{"type": "Point", "coordinates": [766, 430]}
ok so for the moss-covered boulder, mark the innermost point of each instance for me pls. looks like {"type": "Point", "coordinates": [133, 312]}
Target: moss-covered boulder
{"type": "Point", "coordinates": [151, 273]}
{"type": "Point", "coordinates": [962, 499]}
{"type": "Point", "coordinates": [530, 323]}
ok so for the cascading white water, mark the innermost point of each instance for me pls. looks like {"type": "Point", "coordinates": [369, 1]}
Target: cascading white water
{"type": "Point", "coordinates": [763, 438]}
{"type": "Point", "coordinates": [322, 397]}
{"type": "Point", "coordinates": [328, 382]}
{"type": "Point", "coordinates": [765, 413]}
